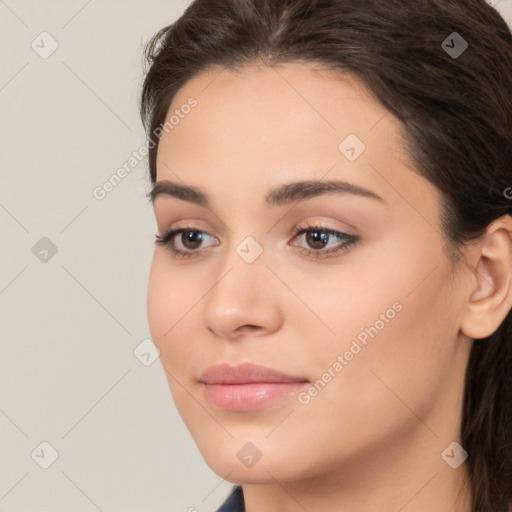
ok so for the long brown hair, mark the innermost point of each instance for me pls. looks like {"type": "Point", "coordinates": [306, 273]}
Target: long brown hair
{"type": "Point", "coordinates": [455, 103]}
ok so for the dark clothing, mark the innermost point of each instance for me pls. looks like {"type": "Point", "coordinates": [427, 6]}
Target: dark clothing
{"type": "Point", "coordinates": [234, 502]}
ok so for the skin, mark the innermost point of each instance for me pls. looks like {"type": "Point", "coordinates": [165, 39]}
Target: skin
{"type": "Point", "coordinates": [372, 439]}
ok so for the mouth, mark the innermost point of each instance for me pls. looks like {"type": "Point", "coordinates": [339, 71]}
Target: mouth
{"type": "Point", "coordinates": [247, 387]}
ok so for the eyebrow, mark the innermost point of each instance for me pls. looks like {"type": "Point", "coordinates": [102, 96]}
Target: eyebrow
{"type": "Point", "coordinates": [283, 195]}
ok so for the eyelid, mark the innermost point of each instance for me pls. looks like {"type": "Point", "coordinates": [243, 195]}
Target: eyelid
{"type": "Point", "coordinates": [186, 223]}
{"type": "Point", "coordinates": [329, 223]}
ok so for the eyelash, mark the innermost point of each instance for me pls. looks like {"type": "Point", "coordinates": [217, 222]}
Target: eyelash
{"type": "Point", "coordinates": [167, 240]}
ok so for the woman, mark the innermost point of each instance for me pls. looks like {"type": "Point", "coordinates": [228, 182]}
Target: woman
{"type": "Point", "coordinates": [331, 285]}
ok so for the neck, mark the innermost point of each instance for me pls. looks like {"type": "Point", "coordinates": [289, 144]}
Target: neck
{"type": "Point", "coordinates": [405, 476]}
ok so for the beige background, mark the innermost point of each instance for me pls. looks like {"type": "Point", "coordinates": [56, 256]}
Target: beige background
{"type": "Point", "coordinates": [70, 324]}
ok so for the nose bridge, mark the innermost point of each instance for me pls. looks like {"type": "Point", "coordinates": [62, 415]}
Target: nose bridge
{"type": "Point", "coordinates": [244, 262]}
{"type": "Point", "coordinates": [241, 295]}
{"type": "Point", "coordinates": [241, 275]}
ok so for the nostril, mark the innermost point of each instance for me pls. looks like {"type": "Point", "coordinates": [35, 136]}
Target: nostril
{"type": "Point", "coordinates": [248, 327]}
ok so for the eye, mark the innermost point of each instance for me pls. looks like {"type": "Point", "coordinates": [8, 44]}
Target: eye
{"type": "Point", "coordinates": [322, 241]}
{"type": "Point", "coordinates": [184, 242]}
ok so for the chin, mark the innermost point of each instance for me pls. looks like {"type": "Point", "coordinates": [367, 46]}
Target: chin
{"type": "Point", "coordinates": [243, 463]}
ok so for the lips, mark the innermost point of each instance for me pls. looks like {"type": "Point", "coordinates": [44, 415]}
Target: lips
{"type": "Point", "coordinates": [244, 374]}
{"type": "Point", "coordinates": [247, 387]}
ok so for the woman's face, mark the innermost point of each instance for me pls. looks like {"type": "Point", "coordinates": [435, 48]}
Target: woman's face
{"type": "Point", "coordinates": [359, 310]}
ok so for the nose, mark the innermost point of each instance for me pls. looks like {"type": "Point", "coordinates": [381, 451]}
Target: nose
{"type": "Point", "coordinates": [244, 300]}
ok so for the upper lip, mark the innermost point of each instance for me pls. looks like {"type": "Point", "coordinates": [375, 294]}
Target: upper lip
{"type": "Point", "coordinates": [244, 374]}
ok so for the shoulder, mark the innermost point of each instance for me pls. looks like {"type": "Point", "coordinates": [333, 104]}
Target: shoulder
{"type": "Point", "coordinates": [234, 502]}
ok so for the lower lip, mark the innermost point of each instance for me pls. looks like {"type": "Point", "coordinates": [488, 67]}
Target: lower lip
{"type": "Point", "coordinates": [251, 396]}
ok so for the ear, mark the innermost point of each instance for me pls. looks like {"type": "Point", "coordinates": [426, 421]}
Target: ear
{"type": "Point", "coordinates": [490, 300]}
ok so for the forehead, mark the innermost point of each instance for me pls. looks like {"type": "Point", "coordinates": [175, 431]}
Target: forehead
{"type": "Point", "coordinates": [284, 100]}
{"type": "Point", "coordinates": [262, 125]}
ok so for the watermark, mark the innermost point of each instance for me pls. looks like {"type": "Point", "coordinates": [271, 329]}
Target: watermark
{"type": "Point", "coordinates": [455, 45]}
{"type": "Point", "coordinates": [249, 454]}
{"type": "Point", "coordinates": [175, 119]}
{"type": "Point", "coordinates": [44, 250]}
{"type": "Point", "coordinates": [304, 397]}
{"type": "Point", "coordinates": [508, 192]}
{"type": "Point", "coordinates": [44, 455]}
{"type": "Point", "coordinates": [454, 455]}
{"type": "Point", "coordinates": [249, 249]}
{"type": "Point", "coordinates": [44, 45]}
{"type": "Point", "coordinates": [352, 147]}
{"type": "Point", "coordinates": [100, 192]}
{"type": "Point", "coordinates": [109, 185]}
{"type": "Point", "coordinates": [146, 352]}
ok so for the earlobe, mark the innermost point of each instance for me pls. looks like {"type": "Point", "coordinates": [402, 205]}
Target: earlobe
{"type": "Point", "coordinates": [490, 300]}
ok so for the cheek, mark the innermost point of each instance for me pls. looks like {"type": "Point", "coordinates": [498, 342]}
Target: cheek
{"type": "Point", "coordinates": [389, 315]}
{"type": "Point", "coordinates": [334, 304]}
{"type": "Point", "coordinates": [173, 310]}
{"type": "Point", "coordinates": [398, 376]}
{"type": "Point", "coordinates": [157, 299]}
{"type": "Point", "coordinates": [394, 355]}
{"type": "Point", "coordinates": [169, 304]}
{"type": "Point", "coordinates": [171, 295]}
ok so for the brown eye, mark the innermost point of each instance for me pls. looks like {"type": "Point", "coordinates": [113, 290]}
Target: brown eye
{"type": "Point", "coordinates": [185, 242]}
{"type": "Point", "coordinates": [317, 239]}
{"type": "Point", "coordinates": [192, 239]}
{"type": "Point", "coordinates": [320, 242]}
